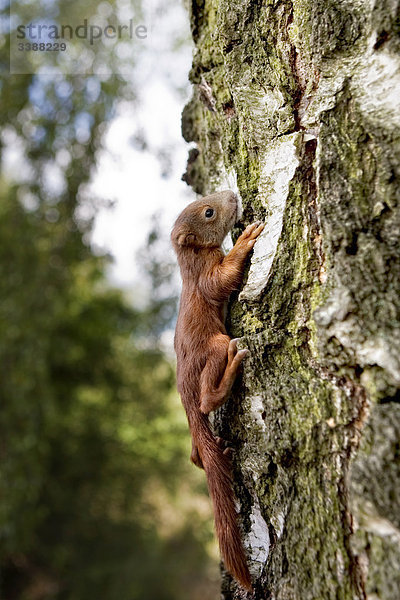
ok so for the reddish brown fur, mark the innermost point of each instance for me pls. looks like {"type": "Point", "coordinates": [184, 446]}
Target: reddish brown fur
{"type": "Point", "coordinates": [207, 359]}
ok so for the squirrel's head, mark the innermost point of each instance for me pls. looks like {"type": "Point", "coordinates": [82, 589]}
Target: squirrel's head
{"type": "Point", "coordinates": [204, 223]}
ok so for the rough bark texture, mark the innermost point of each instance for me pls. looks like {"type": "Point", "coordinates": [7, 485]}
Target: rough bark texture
{"type": "Point", "coordinates": [296, 107]}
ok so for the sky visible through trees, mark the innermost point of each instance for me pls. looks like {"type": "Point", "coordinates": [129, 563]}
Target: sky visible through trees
{"type": "Point", "coordinates": [98, 499]}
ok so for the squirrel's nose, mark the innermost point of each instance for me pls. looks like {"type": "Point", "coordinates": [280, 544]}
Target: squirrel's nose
{"type": "Point", "coordinates": [233, 198]}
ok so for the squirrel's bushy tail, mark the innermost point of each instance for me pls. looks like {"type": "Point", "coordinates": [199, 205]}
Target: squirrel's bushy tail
{"type": "Point", "coordinates": [218, 471]}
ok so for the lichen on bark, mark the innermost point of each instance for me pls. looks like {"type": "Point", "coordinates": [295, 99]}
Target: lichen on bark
{"type": "Point", "coordinates": [296, 106]}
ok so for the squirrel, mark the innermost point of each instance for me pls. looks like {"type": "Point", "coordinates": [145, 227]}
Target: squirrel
{"type": "Point", "coordinates": [207, 358]}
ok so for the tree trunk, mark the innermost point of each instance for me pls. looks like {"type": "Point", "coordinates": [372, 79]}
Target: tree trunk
{"type": "Point", "coordinates": [296, 107]}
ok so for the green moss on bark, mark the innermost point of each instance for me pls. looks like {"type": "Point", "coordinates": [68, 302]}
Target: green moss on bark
{"type": "Point", "coordinates": [280, 100]}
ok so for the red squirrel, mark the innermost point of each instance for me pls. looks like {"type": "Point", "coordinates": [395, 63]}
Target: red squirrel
{"type": "Point", "coordinates": [207, 359]}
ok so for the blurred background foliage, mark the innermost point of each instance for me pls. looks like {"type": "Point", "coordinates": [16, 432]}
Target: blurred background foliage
{"type": "Point", "coordinates": [98, 499]}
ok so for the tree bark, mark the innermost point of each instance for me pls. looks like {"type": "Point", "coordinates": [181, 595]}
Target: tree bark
{"type": "Point", "coordinates": [296, 107]}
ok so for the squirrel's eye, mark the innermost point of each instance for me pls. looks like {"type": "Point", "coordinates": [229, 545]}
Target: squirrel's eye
{"type": "Point", "coordinates": [209, 213]}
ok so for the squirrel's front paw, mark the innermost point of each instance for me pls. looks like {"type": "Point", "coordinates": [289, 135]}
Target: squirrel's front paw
{"type": "Point", "coordinates": [248, 237]}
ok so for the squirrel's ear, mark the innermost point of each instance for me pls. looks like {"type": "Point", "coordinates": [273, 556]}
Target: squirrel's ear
{"type": "Point", "coordinates": [186, 239]}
